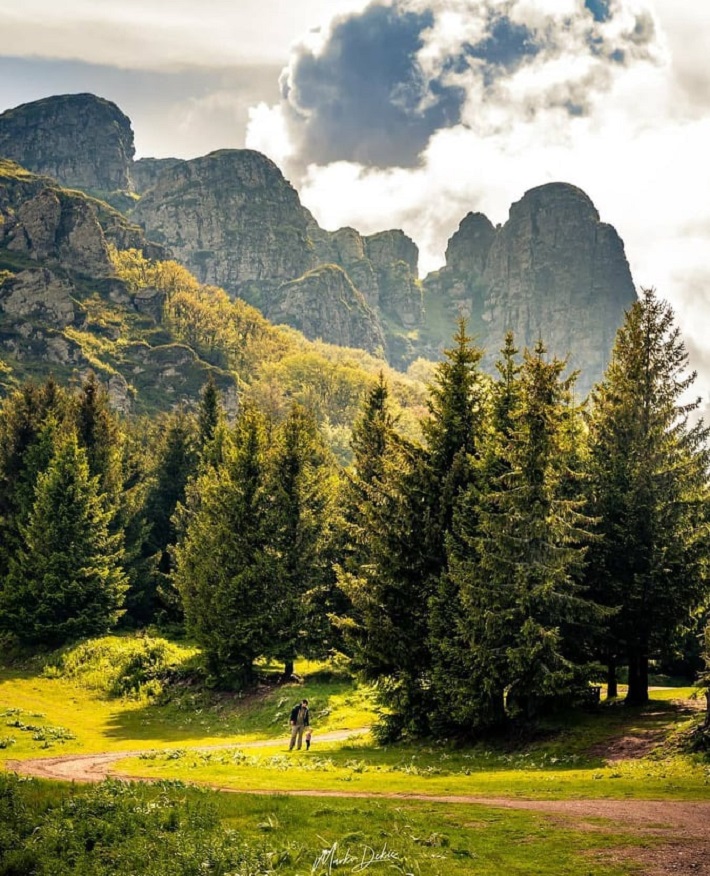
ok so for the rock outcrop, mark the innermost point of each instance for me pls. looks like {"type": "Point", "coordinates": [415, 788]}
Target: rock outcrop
{"type": "Point", "coordinates": [553, 271]}
{"type": "Point", "coordinates": [231, 218]}
{"type": "Point", "coordinates": [81, 140]}
{"type": "Point", "coordinates": [326, 297]}
{"type": "Point", "coordinates": [44, 223]}
{"type": "Point", "coordinates": [235, 222]}
{"type": "Point", "coordinates": [145, 172]}
{"type": "Point", "coordinates": [64, 311]}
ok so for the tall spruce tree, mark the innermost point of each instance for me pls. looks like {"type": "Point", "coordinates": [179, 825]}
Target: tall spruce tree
{"type": "Point", "coordinates": [472, 694]}
{"type": "Point", "coordinates": [299, 490]}
{"type": "Point", "coordinates": [99, 433]}
{"type": "Point", "coordinates": [66, 580]}
{"type": "Point", "coordinates": [649, 489]}
{"type": "Point", "coordinates": [520, 582]}
{"type": "Point", "coordinates": [390, 590]}
{"type": "Point", "coordinates": [224, 569]}
{"type": "Point", "coordinates": [399, 593]}
{"type": "Point", "coordinates": [454, 434]}
{"type": "Point", "coordinates": [175, 463]}
{"type": "Point", "coordinates": [31, 418]}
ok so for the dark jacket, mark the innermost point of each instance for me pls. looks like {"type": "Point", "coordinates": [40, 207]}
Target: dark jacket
{"type": "Point", "coordinates": [294, 714]}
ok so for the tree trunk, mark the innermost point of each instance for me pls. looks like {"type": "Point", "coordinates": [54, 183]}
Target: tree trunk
{"type": "Point", "coordinates": [612, 689]}
{"type": "Point", "coordinates": [638, 679]}
{"type": "Point", "coordinates": [707, 709]}
{"type": "Point", "coordinates": [288, 670]}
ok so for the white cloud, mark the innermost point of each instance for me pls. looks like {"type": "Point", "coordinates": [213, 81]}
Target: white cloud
{"type": "Point", "coordinates": [153, 34]}
{"type": "Point", "coordinates": [639, 148]}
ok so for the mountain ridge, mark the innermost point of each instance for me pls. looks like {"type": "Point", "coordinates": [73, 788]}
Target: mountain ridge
{"type": "Point", "coordinates": [233, 219]}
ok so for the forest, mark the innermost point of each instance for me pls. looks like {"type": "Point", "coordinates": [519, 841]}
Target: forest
{"type": "Point", "coordinates": [526, 550]}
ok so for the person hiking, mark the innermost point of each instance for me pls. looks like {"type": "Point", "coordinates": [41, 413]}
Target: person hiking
{"type": "Point", "coordinates": [309, 734]}
{"type": "Point", "coordinates": [299, 721]}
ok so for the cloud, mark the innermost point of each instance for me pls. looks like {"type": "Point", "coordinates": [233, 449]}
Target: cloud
{"type": "Point", "coordinates": [362, 95]}
{"type": "Point", "coordinates": [378, 84]}
{"type": "Point", "coordinates": [612, 96]}
{"type": "Point", "coordinates": [155, 35]}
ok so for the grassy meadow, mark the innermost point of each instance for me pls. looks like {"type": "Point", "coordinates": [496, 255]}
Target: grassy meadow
{"type": "Point", "coordinates": [145, 694]}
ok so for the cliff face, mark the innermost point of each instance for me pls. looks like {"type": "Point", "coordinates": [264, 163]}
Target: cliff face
{"type": "Point", "coordinates": [553, 271]}
{"type": "Point", "coordinates": [230, 217]}
{"type": "Point", "coordinates": [81, 140]}
{"type": "Point", "coordinates": [235, 222]}
{"type": "Point", "coordinates": [62, 309]}
{"type": "Point", "coordinates": [145, 171]}
{"type": "Point", "coordinates": [325, 296]}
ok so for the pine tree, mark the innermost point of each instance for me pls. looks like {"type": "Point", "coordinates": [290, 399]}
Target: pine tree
{"type": "Point", "coordinates": [295, 529]}
{"type": "Point", "coordinates": [210, 423]}
{"type": "Point", "coordinates": [31, 418]}
{"type": "Point", "coordinates": [175, 463]}
{"type": "Point", "coordinates": [649, 469]}
{"type": "Point", "coordinates": [372, 437]}
{"type": "Point", "coordinates": [390, 592]}
{"type": "Point", "coordinates": [454, 433]}
{"type": "Point", "coordinates": [66, 581]}
{"type": "Point", "coordinates": [473, 690]}
{"type": "Point", "coordinates": [223, 568]}
{"type": "Point", "coordinates": [98, 432]}
{"type": "Point", "coordinates": [520, 586]}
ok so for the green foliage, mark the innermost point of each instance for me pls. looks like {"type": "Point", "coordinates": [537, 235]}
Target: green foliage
{"type": "Point", "coordinates": [116, 828]}
{"type": "Point", "coordinates": [65, 581]}
{"type": "Point", "coordinates": [299, 501]}
{"type": "Point", "coordinates": [649, 490]}
{"type": "Point", "coordinates": [224, 570]}
{"type": "Point", "coordinates": [136, 666]}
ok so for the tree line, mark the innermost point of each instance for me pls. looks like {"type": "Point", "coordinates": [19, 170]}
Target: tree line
{"type": "Point", "coordinates": [528, 547]}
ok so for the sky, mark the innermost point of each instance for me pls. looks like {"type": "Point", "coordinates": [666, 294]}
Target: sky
{"type": "Point", "coordinates": [410, 113]}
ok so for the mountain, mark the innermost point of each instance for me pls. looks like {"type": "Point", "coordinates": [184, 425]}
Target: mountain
{"type": "Point", "coordinates": [553, 270]}
{"type": "Point", "coordinates": [82, 289]}
{"type": "Point", "coordinates": [82, 141]}
{"type": "Point", "coordinates": [234, 220]}
{"type": "Point", "coordinates": [64, 310]}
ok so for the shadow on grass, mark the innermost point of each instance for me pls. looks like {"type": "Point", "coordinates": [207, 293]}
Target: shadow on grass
{"type": "Point", "coordinates": [193, 714]}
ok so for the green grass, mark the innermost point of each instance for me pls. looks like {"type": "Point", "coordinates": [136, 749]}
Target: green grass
{"type": "Point", "coordinates": [140, 692]}
{"type": "Point", "coordinates": [115, 828]}
{"type": "Point", "coordinates": [122, 693]}
{"type": "Point", "coordinates": [77, 689]}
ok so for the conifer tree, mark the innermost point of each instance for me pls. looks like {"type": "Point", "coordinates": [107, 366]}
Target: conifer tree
{"type": "Point", "coordinates": [98, 432]}
{"type": "Point", "coordinates": [520, 584]}
{"type": "Point", "coordinates": [391, 589]}
{"type": "Point", "coordinates": [649, 470]}
{"type": "Point", "coordinates": [175, 463]}
{"type": "Point", "coordinates": [30, 420]}
{"type": "Point", "coordinates": [211, 428]}
{"type": "Point", "coordinates": [454, 433]}
{"type": "Point", "coordinates": [299, 492]}
{"type": "Point", "coordinates": [66, 581]}
{"type": "Point", "coordinates": [223, 568]}
{"type": "Point", "coordinates": [372, 437]}
{"type": "Point", "coordinates": [471, 695]}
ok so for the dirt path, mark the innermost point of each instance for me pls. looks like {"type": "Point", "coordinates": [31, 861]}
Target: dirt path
{"type": "Point", "coordinates": [678, 832]}
{"type": "Point", "coordinates": [95, 767]}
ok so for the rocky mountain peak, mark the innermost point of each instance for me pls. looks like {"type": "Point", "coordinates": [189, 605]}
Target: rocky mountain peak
{"type": "Point", "coordinates": [82, 141]}
{"type": "Point", "coordinates": [468, 247]}
{"type": "Point", "coordinates": [230, 217]}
